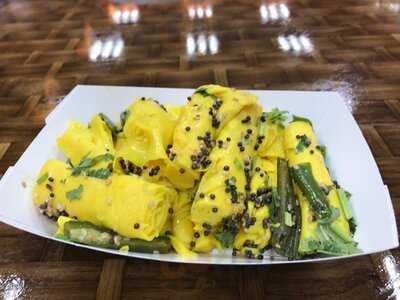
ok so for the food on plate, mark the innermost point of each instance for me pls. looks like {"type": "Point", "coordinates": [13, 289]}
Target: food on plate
{"type": "Point", "coordinates": [215, 173]}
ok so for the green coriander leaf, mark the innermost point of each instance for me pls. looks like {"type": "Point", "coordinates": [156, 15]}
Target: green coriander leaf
{"type": "Point", "coordinates": [102, 173]}
{"type": "Point", "coordinates": [202, 91]}
{"type": "Point", "coordinates": [275, 115]}
{"type": "Point", "coordinates": [304, 143]}
{"type": "Point", "coordinates": [226, 238]}
{"type": "Point", "coordinates": [74, 194]}
{"type": "Point", "coordinates": [42, 178]}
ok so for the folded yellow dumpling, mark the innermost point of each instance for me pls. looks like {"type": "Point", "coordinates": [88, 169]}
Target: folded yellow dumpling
{"type": "Point", "coordinates": [221, 192]}
{"type": "Point", "coordinates": [126, 204]}
{"type": "Point", "coordinates": [81, 141]}
{"type": "Point", "coordinates": [146, 134]}
{"type": "Point", "coordinates": [209, 110]}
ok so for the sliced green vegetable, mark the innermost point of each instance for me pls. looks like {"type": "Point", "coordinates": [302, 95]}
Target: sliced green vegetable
{"type": "Point", "coordinates": [74, 194]}
{"type": "Point", "coordinates": [286, 216]}
{"type": "Point", "coordinates": [89, 234]}
{"type": "Point", "coordinates": [345, 203]}
{"type": "Point", "coordinates": [42, 178]}
{"type": "Point", "coordinates": [288, 219]}
{"type": "Point", "coordinates": [301, 119]}
{"type": "Point", "coordinates": [302, 175]}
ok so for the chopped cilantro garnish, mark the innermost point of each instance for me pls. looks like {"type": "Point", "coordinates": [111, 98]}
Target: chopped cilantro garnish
{"type": "Point", "coordinates": [74, 194]}
{"type": "Point", "coordinates": [304, 143]}
{"type": "Point", "coordinates": [88, 162]}
{"type": "Point", "coordinates": [275, 115]}
{"type": "Point", "coordinates": [102, 173]}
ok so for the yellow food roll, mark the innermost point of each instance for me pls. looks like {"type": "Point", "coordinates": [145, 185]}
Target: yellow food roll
{"type": "Point", "coordinates": [81, 140]}
{"type": "Point", "coordinates": [221, 191]}
{"type": "Point", "coordinates": [302, 132]}
{"type": "Point", "coordinates": [126, 204]}
{"type": "Point", "coordinates": [147, 132]}
{"type": "Point", "coordinates": [209, 110]}
{"type": "Point", "coordinates": [255, 233]}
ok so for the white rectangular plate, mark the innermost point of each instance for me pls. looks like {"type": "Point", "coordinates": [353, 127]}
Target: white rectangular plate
{"type": "Point", "coordinates": [350, 162]}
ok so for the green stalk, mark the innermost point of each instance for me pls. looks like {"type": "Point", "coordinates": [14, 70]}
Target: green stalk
{"type": "Point", "coordinates": [302, 175]}
{"type": "Point", "coordinates": [89, 234]}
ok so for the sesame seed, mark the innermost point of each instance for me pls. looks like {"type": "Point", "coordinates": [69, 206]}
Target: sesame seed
{"type": "Point", "coordinates": [52, 195]}
{"type": "Point", "coordinates": [187, 128]}
{"type": "Point", "coordinates": [170, 210]}
{"type": "Point", "coordinates": [206, 233]}
{"type": "Point", "coordinates": [212, 196]}
{"type": "Point", "coordinates": [196, 235]}
{"type": "Point", "coordinates": [189, 98]}
{"type": "Point", "coordinates": [169, 146]}
{"type": "Point", "coordinates": [192, 244]}
{"type": "Point", "coordinates": [228, 139]}
{"type": "Point", "coordinates": [260, 257]}
{"type": "Point", "coordinates": [311, 151]}
{"type": "Point", "coordinates": [181, 170]}
{"type": "Point", "coordinates": [136, 226]}
{"type": "Point", "coordinates": [215, 209]}
{"type": "Point", "coordinates": [51, 179]}
{"type": "Point", "coordinates": [143, 98]}
{"type": "Point", "coordinates": [249, 131]}
{"type": "Point", "coordinates": [241, 149]}
{"type": "Point", "coordinates": [226, 168]}
{"type": "Point", "coordinates": [258, 169]}
{"type": "Point", "coordinates": [201, 195]}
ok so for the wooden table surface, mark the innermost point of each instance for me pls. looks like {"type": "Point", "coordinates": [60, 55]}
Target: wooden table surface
{"type": "Point", "coordinates": [47, 47]}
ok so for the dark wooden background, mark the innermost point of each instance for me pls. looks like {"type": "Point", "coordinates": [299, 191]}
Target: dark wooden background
{"type": "Point", "coordinates": [44, 54]}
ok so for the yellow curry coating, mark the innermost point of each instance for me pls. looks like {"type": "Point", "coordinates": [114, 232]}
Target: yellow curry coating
{"type": "Point", "coordinates": [126, 204]}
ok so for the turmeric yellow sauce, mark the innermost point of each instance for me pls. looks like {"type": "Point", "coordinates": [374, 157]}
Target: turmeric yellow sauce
{"type": "Point", "coordinates": [203, 174]}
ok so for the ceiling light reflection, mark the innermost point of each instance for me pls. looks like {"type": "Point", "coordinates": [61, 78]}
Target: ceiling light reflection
{"type": "Point", "coordinates": [213, 44]}
{"type": "Point", "coordinates": [273, 12]}
{"type": "Point", "coordinates": [200, 11]}
{"type": "Point", "coordinates": [202, 44]}
{"type": "Point", "coordinates": [109, 48]}
{"type": "Point", "coordinates": [299, 44]}
{"type": "Point", "coordinates": [191, 12]}
{"type": "Point", "coordinates": [209, 11]}
{"type": "Point", "coordinates": [127, 15]}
